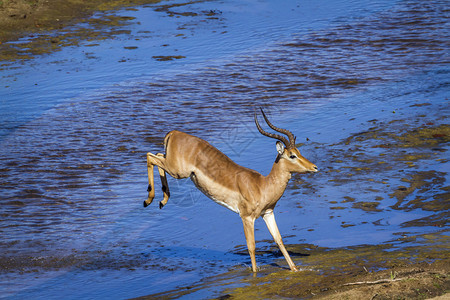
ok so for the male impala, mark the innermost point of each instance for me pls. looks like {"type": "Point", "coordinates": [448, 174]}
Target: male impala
{"type": "Point", "coordinates": [242, 190]}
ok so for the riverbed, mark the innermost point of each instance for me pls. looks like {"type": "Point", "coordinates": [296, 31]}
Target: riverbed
{"type": "Point", "coordinates": [362, 84]}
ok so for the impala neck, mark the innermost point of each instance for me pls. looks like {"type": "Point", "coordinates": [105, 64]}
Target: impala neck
{"type": "Point", "coordinates": [278, 179]}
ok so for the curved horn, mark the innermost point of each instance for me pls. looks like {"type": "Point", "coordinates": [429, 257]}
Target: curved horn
{"type": "Point", "coordinates": [291, 137]}
{"type": "Point", "coordinates": [271, 135]}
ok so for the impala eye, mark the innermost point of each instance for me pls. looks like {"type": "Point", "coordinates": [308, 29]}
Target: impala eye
{"type": "Point", "coordinates": [292, 157]}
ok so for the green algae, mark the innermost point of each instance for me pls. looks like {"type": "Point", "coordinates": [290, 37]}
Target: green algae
{"type": "Point", "coordinates": [367, 206]}
{"type": "Point", "coordinates": [421, 182]}
{"type": "Point", "coordinates": [425, 136]}
{"type": "Point", "coordinates": [348, 199]}
{"type": "Point", "coordinates": [168, 57]}
{"type": "Point", "coordinates": [389, 148]}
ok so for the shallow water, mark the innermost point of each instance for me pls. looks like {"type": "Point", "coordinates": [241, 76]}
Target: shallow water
{"type": "Point", "coordinates": [76, 126]}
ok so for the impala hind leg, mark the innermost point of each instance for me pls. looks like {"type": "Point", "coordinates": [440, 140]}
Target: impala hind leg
{"type": "Point", "coordinates": [155, 160]}
{"type": "Point", "coordinates": [151, 186]}
{"type": "Point", "coordinates": [269, 218]}
{"type": "Point", "coordinates": [165, 187]}
{"type": "Point", "coordinates": [249, 230]}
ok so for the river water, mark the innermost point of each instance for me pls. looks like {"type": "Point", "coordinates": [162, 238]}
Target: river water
{"type": "Point", "coordinates": [76, 125]}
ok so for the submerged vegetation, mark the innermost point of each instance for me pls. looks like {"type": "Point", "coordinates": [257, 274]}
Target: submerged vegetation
{"type": "Point", "coordinates": [397, 152]}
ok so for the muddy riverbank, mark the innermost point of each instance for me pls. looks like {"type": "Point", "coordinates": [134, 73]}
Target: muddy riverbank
{"type": "Point", "coordinates": [363, 85]}
{"type": "Point", "coordinates": [362, 272]}
{"type": "Point", "coordinates": [20, 18]}
{"type": "Point", "coordinates": [45, 26]}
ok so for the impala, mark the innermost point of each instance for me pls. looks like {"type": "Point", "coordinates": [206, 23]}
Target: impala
{"type": "Point", "coordinates": [240, 189]}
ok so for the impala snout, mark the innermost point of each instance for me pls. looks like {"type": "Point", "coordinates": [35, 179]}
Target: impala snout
{"type": "Point", "coordinates": [309, 168]}
{"type": "Point", "coordinates": [312, 168]}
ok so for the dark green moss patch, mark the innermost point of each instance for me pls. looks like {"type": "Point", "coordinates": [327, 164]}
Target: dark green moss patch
{"type": "Point", "coordinates": [168, 57]}
{"type": "Point", "coordinates": [367, 206]}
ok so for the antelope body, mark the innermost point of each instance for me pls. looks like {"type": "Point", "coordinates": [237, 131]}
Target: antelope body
{"type": "Point", "coordinates": [240, 189]}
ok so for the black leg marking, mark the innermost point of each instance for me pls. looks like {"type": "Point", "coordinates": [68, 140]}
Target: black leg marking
{"type": "Point", "coordinates": [164, 189]}
{"type": "Point", "coordinates": [149, 188]}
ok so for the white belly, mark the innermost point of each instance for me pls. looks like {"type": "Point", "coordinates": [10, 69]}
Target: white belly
{"type": "Point", "coordinates": [217, 192]}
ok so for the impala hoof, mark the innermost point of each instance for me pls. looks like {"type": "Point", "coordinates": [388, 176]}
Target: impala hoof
{"type": "Point", "coordinates": [161, 204]}
{"type": "Point", "coordinates": [148, 202]}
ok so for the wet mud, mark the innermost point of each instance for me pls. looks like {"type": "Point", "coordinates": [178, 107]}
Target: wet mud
{"type": "Point", "coordinates": [368, 101]}
{"type": "Point", "coordinates": [43, 21]}
{"type": "Point", "coordinates": [361, 272]}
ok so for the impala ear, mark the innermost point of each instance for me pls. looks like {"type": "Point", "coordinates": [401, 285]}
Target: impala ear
{"type": "Point", "coordinates": [280, 148]}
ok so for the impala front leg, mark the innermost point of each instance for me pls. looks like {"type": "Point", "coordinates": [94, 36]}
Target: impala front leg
{"type": "Point", "coordinates": [249, 230]}
{"type": "Point", "coordinates": [269, 218]}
